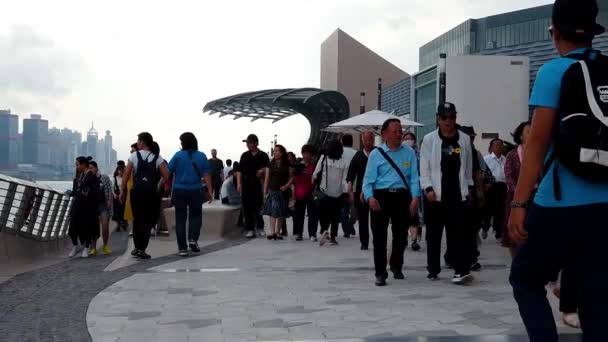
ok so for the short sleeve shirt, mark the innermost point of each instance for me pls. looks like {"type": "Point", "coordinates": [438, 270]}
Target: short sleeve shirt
{"type": "Point", "coordinates": [576, 191]}
{"type": "Point", "coordinates": [145, 155]}
{"type": "Point", "coordinates": [250, 164]}
{"type": "Point", "coordinates": [216, 170]}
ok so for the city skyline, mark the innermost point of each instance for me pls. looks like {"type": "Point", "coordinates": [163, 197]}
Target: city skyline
{"type": "Point", "coordinates": [138, 75]}
{"type": "Point", "coordinates": [37, 149]}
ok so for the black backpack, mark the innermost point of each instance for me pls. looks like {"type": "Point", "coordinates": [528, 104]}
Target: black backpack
{"type": "Point", "coordinates": [146, 176]}
{"type": "Point", "coordinates": [581, 137]}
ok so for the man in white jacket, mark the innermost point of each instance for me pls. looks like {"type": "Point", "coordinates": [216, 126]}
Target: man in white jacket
{"type": "Point", "coordinates": [446, 177]}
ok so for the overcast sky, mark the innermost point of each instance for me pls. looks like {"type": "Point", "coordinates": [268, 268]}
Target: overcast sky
{"type": "Point", "coordinates": [134, 66]}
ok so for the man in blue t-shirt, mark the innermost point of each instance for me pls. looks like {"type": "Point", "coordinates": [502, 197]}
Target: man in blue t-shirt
{"type": "Point", "coordinates": [568, 233]}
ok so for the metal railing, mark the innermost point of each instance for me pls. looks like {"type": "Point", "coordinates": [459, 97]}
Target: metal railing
{"type": "Point", "coordinates": [33, 210]}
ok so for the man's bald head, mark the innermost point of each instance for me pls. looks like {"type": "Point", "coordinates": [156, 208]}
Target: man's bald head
{"type": "Point", "coordinates": [368, 140]}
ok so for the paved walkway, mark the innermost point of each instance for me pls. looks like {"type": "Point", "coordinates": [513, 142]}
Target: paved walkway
{"type": "Point", "coordinates": [291, 290]}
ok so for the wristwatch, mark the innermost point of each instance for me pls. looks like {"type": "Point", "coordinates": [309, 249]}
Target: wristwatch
{"type": "Point", "coordinates": [522, 205]}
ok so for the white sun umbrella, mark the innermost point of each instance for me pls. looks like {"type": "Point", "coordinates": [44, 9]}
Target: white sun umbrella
{"type": "Point", "coordinates": [370, 121]}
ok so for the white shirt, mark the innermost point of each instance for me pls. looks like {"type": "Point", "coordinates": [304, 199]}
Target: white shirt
{"type": "Point", "coordinates": [333, 182]}
{"type": "Point", "coordinates": [227, 170]}
{"type": "Point", "coordinates": [348, 154]}
{"type": "Point", "coordinates": [497, 166]}
{"type": "Point", "coordinates": [145, 155]}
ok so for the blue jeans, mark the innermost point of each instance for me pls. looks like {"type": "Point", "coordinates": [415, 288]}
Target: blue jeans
{"type": "Point", "coordinates": [188, 204]}
{"type": "Point", "coordinates": [573, 238]}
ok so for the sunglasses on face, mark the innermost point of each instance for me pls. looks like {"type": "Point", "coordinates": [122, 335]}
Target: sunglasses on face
{"type": "Point", "coordinates": [448, 117]}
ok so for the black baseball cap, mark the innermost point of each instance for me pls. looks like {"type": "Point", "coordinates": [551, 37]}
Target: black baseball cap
{"type": "Point", "coordinates": [252, 138]}
{"type": "Point", "coordinates": [577, 17]}
{"type": "Point", "coordinates": [446, 108]}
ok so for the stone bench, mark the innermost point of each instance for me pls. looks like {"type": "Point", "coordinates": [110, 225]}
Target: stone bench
{"type": "Point", "coordinates": [219, 221]}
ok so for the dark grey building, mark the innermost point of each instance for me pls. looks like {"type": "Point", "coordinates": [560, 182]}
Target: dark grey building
{"type": "Point", "coordinates": [9, 135]}
{"type": "Point", "coordinates": [36, 140]}
{"type": "Point", "coordinates": [519, 33]}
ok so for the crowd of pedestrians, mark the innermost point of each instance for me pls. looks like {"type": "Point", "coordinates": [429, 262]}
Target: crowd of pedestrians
{"type": "Point", "coordinates": [545, 199]}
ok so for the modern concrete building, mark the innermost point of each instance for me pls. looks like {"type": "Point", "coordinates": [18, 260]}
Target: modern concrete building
{"type": "Point", "coordinates": [9, 134]}
{"type": "Point", "coordinates": [522, 33]}
{"type": "Point", "coordinates": [351, 68]}
{"type": "Point", "coordinates": [35, 140]}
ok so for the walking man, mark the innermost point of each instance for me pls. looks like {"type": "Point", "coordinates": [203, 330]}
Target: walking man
{"type": "Point", "coordinates": [249, 183]}
{"type": "Point", "coordinates": [217, 173]}
{"type": "Point", "coordinates": [497, 195]}
{"type": "Point", "coordinates": [355, 175]}
{"type": "Point", "coordinates": [446, 175]}
{"type": "Point", "coordinates": [565, 226]}
{"type": "Point", "coordinates": [345, 213]}
{"type": "Point", "coordinates": [391, 186]}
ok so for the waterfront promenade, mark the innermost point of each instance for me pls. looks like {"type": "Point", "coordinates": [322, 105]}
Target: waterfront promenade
{"type": "Point", "coordinates": [258, 290]}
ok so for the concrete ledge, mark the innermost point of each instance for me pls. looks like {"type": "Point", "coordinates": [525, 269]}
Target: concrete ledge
{"type": "Point", "coordinates": [219, 221]}
{"type": "Point", "coordinates": [14, 247]}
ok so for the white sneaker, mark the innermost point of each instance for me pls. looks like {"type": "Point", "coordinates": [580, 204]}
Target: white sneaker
{"type": "Point", "coordinates": [462, 279]}
{"type": "Point", "coordinates": [261, 233]}
{"type": "Point", "coordinates": [572, 320]}
{"type": "Point", "coordinates": [313, 238]}
{"type": "Point", "coordinates": [85, 253]}
{"type": "Point", "coordinates": [250, 234]}
{"type": "Point", "coordinates": [73, 252]}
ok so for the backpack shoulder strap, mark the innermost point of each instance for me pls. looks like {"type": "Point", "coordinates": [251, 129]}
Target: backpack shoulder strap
{"type": "Point", "coordinates": [392, 163]}
{"type": "Point", "coordinates": [139, 158]}
{"type": "Point", "coordinates": [198, 171]}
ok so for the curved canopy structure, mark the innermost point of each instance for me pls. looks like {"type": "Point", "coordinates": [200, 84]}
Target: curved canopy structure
{"type": "Point", "coordinates": [320, 107]}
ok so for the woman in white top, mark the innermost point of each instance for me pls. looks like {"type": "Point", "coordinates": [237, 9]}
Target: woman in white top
{"type": "Point", "coordinates": [330, 174]}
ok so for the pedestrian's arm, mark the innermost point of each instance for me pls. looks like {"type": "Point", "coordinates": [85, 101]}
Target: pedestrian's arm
{"type": "Point", "coordinates": [290, 181]}
{"type": "Point", "coordinates": [352, 172]}
{"type": "Point", "coordinates": [207, 179]}
{"type": "Point", "coordinates": [414, 179]}
{"type": "Point", "coordinates": [126, 176]}
{"type": "Point", "coordinates": [266, 180]}
{"type": "Point", "coordinates": [164, 172]}
{"type": "Point", "coordinates": [468, 171]}
{"type": "Point", "coordinates": [425, 165]}
{"type": "Point", "coordinates": [371, 174]}
{"type": "Point", "coordinates": [318, 168]}
{"type": "Point", "coordinates": [535, 151]}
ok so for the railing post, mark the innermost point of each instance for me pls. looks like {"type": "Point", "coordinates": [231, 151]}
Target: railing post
{"type": "Point", "coordinates": [64, 217]}
{"type": "Point", "coordinates": [5, 211]}
{"type": "Point", "coordinates": [45, 215]}
{"type": "Point", "coordinates": [38, 195]}
{"type": "Point", "coordinates": [52, 231]}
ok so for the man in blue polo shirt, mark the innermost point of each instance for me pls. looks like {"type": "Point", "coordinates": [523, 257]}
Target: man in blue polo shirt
{"type": "Point", "coordinates": [391, 187]}
{"type": "Point", "coordinates": [565, 226]}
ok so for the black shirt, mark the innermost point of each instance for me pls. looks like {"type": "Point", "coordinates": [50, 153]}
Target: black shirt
{"type": "Point", "coordinates": [216, 170]}
{"type": "Point", "coordinates": [450, 169]}
{"type": "Point", "coordinates": [250, 164]}
{"type": "Point", "coordinates": [356, 170]}
{"type": "Point", "coordinates": [279, 175]}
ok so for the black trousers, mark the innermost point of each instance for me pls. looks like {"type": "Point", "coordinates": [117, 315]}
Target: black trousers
{"type": "Point", "coordinates": [217, 187]}
{"type": "Point", "coordinates": [253, 198]}
{"type": "Point", "coordinates": [329, 214]}
{"type": "Point", "coordinates": [496, 204]}
{"type": "Point", "coordinates": [395, 209]}
{"type": "Point", "coordinates": [571, 239]}
{"type": "Point", "coordinates": [452, 217]}
{"type": "Point", "coordinates": [363, 218]}
{"type": "Point", "coordinates": [145, 207]}
{"type": "Point", "coordinates": [299, 213]}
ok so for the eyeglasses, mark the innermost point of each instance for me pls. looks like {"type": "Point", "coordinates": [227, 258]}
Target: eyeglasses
{"type": "Point", "coordinates": [448, 117]}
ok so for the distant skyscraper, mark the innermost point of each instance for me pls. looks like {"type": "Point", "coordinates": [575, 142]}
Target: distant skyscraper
{"type": "Point", "coordinates": [92, 137]}
{"type": "Point", "coordinates": [108, 152]}
{"type": "Point", "coordinates": [351, 68]}
{"type": "Point", "coordinates": [36, 140]}
{"type": "Point", "coordinates": [9, 134]}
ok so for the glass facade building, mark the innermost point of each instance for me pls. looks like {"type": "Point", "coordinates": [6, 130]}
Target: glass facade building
{"type": "Point", "coordinates": [519, 33]}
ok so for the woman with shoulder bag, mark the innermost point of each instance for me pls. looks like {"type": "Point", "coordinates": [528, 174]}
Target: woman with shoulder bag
{"type": "Point", "coordinates": [331, 170]}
